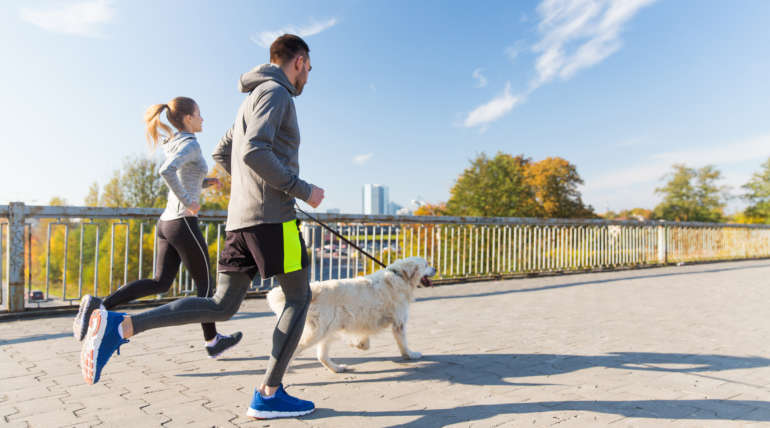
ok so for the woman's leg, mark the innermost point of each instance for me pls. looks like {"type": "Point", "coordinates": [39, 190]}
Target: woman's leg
{"type": "Point", "coordinates": [188, 241]}
{"type": "Point", "coordinates": [167, 265]}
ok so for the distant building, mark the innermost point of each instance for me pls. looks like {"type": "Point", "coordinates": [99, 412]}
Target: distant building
{"type": "Point", "coordinates": [333, 211]}
{"type": "Point", "coordinates": [393, 208]}
{"type": "Point", "coordinates": [404, 211]}
{"type": "Point", "coordinates": [375, 199]}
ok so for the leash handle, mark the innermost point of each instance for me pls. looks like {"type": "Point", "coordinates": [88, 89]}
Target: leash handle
{"type": "Point", "coordinates": [340, 236]}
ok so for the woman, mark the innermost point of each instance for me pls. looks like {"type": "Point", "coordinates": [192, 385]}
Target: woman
{"type": "Point", "coordinates": [178, 236]}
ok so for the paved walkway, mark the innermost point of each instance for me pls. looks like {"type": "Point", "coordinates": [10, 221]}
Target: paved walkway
{"type": "Point", "coordinates": [676, 346]}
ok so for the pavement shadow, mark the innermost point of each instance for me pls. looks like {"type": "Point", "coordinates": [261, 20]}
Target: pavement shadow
{"type": "Point", "coordinates": [497, 369]}
{"type": "Point", "coordinates": [593, 282]}
{"type": "Point", "coordinates": [743, 410]}
{"type": "Point", "coordinates": [34, 338]}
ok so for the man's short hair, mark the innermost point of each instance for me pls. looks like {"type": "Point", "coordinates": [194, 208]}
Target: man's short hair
{"type": "Point", "coordinates": [286, 47]}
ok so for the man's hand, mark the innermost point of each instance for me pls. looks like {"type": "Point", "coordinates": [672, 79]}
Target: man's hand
{"type": "Point", "coordinates": [316, 196]}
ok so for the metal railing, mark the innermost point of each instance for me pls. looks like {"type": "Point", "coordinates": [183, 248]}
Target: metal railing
{"type": "Point", "coordinates": [65, 252]}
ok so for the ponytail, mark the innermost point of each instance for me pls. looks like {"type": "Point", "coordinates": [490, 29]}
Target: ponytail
{"type": "Point", "coordinates": [152, 121]}
{"type": "Point", "coordinates": [176, 110]}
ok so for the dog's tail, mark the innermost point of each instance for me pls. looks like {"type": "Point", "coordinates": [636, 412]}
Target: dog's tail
{"type": "Point", "coordinates": [276, 299]}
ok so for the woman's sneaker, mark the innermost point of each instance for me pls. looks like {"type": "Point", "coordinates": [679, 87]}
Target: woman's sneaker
{"type": "Point", "coordinates": [223, 343]}
{"type": "Point", "coordinates": [87, 305]}
{"type": "Point", "coordinates": [101, 341]}
{"type": "Point", "coordinates": [280, 405]}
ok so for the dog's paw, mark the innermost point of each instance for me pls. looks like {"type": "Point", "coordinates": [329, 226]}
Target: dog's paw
{"type": "Point", "coordinates": [412, 355]}
{"type": "Point", "coordinates": [340, 368]}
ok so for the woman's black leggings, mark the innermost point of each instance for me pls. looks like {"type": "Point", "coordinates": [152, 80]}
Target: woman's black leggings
{"type": "Point", "coordinates": [178, 240]}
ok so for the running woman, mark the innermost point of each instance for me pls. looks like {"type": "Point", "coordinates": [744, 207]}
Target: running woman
{"type": "Point", "coordinates": [261, 153]}
{"type": "Point", "coordinates": [178, 236]}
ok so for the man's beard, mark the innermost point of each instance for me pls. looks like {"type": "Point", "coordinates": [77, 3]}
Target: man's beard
{"type": "Point", "coordinates": [298, 86]}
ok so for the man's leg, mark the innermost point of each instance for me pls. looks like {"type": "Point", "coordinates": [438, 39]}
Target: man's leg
{"type": "Point", "coordinates": [288, 330]}
{"type": "Point", "coordinates": [231, 289]}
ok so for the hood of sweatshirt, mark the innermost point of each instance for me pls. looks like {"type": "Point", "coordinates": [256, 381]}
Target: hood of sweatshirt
{"type": "Point", "coordinates": [173, 144]}
{"type": "Point", "coordinates": [263, 73]}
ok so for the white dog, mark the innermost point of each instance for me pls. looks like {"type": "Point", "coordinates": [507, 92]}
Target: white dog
{"type": "Point", "coordinates": [354, 309]}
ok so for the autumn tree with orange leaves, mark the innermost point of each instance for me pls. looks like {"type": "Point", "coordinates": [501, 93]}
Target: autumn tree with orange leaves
{"type": "Point", "coordinates": [514, 186]}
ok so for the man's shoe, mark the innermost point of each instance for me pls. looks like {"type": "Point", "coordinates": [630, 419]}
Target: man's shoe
{"type": "Point", "coordinates": [87, 305]}
{"type": "Point", "coordinates": [280, 405]}
{"type": "Point", "coordinates": [223, 343]}
{"type": "Point", "coordinates": [101, 341]}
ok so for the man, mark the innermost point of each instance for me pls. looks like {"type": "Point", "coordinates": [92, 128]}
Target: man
{"type": "Point", "coordinates": [260, 152]}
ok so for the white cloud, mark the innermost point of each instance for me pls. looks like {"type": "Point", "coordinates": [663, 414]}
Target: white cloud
{"type": "Point", "coordinates": [482, 81]}
{"type": "Point", "coordinates": [266, 38]}
{"type": "Point", "coordinates": [575, 34]}
{"type": "Point", "coordinates": [362, 159]}
{"type": "Point", "coordinates": [82, 18]}
{"type": "Point", "coordinates": [657, 165]}
{"type": "Point", "coordinates": [492, 110]}
{"type": "Point", "coordinates": [512, 52]}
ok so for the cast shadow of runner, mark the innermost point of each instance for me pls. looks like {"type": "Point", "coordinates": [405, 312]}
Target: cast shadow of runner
{"type": "Point", "coordinates": [497, 369]}
{"type": "Point", "coordinates": [700, 410]}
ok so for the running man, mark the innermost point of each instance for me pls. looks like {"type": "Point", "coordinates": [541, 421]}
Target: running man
{"type": "Point", "coordinates": [260, 152]}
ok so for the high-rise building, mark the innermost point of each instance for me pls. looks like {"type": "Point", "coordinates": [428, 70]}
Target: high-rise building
{"type": "Point", "coordinates": [393, 208]}
{"type": "Point", "coordinates": [374, 199]}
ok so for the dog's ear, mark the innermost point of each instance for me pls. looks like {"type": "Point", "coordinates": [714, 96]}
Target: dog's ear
{"type": "Point", "coordinates": [410, 270]}
{"type": "Point", "coordinates": [407, 271]}
{"type": "Point", "coordinates": [398, 270]}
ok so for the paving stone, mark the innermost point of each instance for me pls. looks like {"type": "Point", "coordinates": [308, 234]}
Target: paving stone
{"type": "Point", "coordinates": [676, 346]}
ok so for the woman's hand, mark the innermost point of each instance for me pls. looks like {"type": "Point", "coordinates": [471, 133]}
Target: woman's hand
{"type": "Point", "coordinates": [193, 209]}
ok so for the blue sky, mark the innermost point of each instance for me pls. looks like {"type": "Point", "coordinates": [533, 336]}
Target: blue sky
{"type": "Point", "coordinates": [401, 93]}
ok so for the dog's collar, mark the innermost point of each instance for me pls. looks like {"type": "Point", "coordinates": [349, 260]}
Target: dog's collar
{"type": "Point", "coordinates": [400, 274]}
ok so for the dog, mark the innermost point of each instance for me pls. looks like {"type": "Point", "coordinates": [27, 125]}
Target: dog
{"type": "Point", "coordinates": [354, 309]}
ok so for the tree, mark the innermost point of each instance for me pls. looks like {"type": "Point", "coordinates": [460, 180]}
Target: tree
{"type": "Point", "coordinates": [692, 195]}
{"type": "Point", "coordinates": [640, 214]}
{"type": "Point", "coordinates": [137, 185]}
{"type": "Point", "coordinates": [431, 209]}
{"type": "Point", "coordinates": [217, 199]}
{"type": "Point", "coordinates": [554, 182]}
{"type": "Point", "coordinates": [495, 187]}
{"type": "Point", "coordinates": [112, 196]}
{"type": "Point", "coordinates": [757, 194]}
{"type": "Point", "coordinates": [141, 184]}
{"type": "Point", "coordinates": [92, 198]}
{"type": "Point", "coordinates": [57, 201]}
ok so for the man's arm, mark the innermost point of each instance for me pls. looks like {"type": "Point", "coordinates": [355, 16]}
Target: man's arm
{"type": "Point", "coordinates": [222, 153]}
{"type": "Point", "coordinates": [261, 129]}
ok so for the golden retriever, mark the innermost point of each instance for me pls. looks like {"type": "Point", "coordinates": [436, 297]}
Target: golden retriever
{"type": "Point", "coordinates": [353, 309]}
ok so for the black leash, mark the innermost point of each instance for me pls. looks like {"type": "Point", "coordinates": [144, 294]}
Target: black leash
{"type": "Point", "coordinates": [340, 236]}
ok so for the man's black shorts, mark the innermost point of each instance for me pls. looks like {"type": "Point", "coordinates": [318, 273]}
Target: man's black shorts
{"type": "Point", "coordinates": [271, 249]}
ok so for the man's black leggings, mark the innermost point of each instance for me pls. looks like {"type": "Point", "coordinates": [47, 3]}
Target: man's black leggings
{"type": "Point", "coordinates": [178, 240]}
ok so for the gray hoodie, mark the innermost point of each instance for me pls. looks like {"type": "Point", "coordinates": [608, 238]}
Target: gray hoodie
{"type": "Point", "coordinates": [183, 171]}
{"type": "Point", "coordinates": [261, 152]}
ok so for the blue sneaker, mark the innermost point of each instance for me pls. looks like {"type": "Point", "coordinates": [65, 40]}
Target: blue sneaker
{"type": "Point", "coordinates": [101, 341]}
{"type": "Point", "coordinates": [280, 405]}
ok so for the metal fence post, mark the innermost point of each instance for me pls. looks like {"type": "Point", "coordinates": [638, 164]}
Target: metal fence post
{"type": "Point", "coordinates": [662, 245]}
{"type": "Point", "coordinates": [14, 292]}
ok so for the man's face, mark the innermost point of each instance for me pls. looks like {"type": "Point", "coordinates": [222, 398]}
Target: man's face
{"type": "Point", "coordinates": [303, 67]}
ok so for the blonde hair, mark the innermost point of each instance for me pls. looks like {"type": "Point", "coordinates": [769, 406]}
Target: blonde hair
{"type": "Point", "coordinates": [176, 110]}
